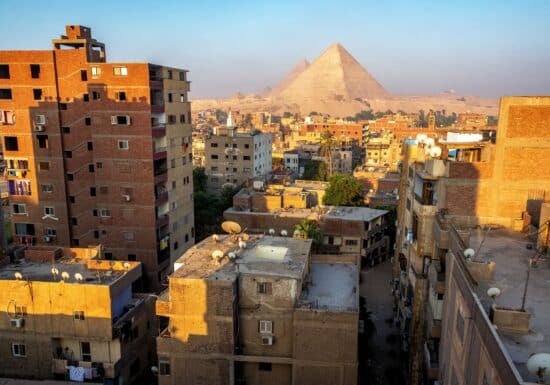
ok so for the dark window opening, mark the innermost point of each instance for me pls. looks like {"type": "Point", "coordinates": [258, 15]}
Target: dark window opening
{"type": "Point", "coordinates": [96, 95]}
{"type": "Point", "coordinates": [88, 121]}
{"type": "Point", "coordinates": [83, 75]}
{"type": "Point", "coordinates": [35, 71]}
{"type": "Point", "coordinates": [90, 146]}
{"type": "Point", "coordinates": [5, 93]}
{"type": "Point", "coordinates": [132, 257]}
{"type": "Point", "coordinates": [42, 141]}
{"type": "Point", "coordinates": [37, 94]}
{"type": "Point", "coordinates": [10, 143]}
{"type": "Point", "coordinates": [62, 106]}
{"type": "Point", "coordinates": [86, 97]}
{"type": "Point", "coordinates": [91, 168]}
{"type": "Point", "coordinates": [264, 366]}
{"type": "Point", "coordinates": [92, 191]}
{"type": "Point", "coordinates": [4, 71]}
{"type": "Point", "coordinates": [68, 154]}
{"type": "Point", "coordinates": [66, 130]}
{"type": "Point", "coordinates": [120, 96]}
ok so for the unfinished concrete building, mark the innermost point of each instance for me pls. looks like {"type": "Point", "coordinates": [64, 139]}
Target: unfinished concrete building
{"type": "Point", "coordinates": [258, 311]}
{"type": "Point", "coordinates": [67, 315]}
{"type": "Point", "coordinates": [490, 179]}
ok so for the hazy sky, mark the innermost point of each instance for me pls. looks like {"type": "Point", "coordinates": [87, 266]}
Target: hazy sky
{"type": "Point", "coordinates": [483, 47]}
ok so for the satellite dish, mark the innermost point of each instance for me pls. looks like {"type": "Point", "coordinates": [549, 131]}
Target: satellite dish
{"type": "Point", "coordinates": [65, 275]}
{"type": "Point", "coordinates": [215, 237]}
{"type": "Point", "coordinates": [297, 233]}
{"type": "Point", "coordinates": [232, 255]}
{"type": "Point", "coordinates": [429, 142]}
{"type": "Point", "coordinates": [217, 254]}
{"type": "Point", "coordinates": [18, 276]}
{"type": "Point", "coordinates": [421, 138]}
{"type": "Point", "coordinates": [271, 231]}
{"type": "Point", "coordinates": [435, 151]}
{"type": "Point", "coordinates": [155, 370]}
{"type": "Point", "coordinates": [245, 236]}
{"type": "Point", "coordinates": [78, 277]}
{"type": "Point", "coordinates": [231, 227]}
{"type": "Point", "coordinates": [55, 272]}
{"type": "Point", "coordinates": [126, 265]}
{"type": "Point", "coordinates": [469, 253]}
{"type": "Point", "coordinates": [284, 233]}
{"type": "Point", "coordinates": [538, 364]}
{"type": "Point", "coordinates": [493, 292]}
{"type": "Point", "coordinates": [242, 244]}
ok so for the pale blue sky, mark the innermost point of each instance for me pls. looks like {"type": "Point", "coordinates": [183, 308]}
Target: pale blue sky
{"type": "Point", "coordinates": [484, 47]}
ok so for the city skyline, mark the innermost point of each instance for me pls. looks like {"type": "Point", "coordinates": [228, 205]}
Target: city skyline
{"type": "Point", "coordinates": [486, 50]}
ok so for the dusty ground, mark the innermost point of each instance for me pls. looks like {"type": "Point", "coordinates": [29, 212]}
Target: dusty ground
{"type": "Point", "coordinates": [386, 362]}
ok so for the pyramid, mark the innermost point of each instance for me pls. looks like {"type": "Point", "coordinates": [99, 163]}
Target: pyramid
{"type": "Point", "coordinates": [335, 75]}
{"type": "Point", "coordinates": [300, 67]}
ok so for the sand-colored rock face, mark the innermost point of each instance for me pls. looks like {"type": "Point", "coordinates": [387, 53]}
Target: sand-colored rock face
{"type": "Point", "coordinates": [333, 75]}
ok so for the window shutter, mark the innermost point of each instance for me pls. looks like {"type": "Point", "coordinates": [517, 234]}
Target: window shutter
{"type": "Point", "coordinates": [113, 119]}
{"type": "Point", "coordinates": [128, 120]}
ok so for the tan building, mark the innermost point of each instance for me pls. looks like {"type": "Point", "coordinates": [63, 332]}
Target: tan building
{"type": "Point", "coordinates": [260, 313]}
{"type": "Point", "coordinates": [97, 152]}
{"type": "Point", "coordinates": [357, 234]}
{"type": "Point", "coordinates": [470, 179]}
{"type": "Point", "coordinates": [66, 309]}
{"type": "Point", "coordinates": [232, 157]}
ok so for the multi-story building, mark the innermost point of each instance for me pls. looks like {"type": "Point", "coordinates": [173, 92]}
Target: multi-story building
{"type": "Point", "coordinates": [259, 311]}
{"type": "Point", "coordinates": [358, 234]}
{"type": "Point", "coordinates": [349, 132]}
{"type": "Point", "coordinates": [97, 152]}
{"type": "Point", "coordinates": [67, 315]}
{"type": "Point", "coordinates": [232, 157]}
{"type": "Point", "coordinates": [469, 179]}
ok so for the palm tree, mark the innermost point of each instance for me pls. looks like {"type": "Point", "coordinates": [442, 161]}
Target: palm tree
{"type": "Point", "coordinates": [327, 147]}
{"type": "Point", "coordinates": [310, 229]}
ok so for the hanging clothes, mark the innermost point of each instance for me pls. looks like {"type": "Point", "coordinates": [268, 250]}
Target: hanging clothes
{"type": "Point", "coordinates": [76, 373]}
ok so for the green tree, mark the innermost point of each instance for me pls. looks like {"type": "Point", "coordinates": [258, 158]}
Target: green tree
{"type": "Point", "coordinates": [315, 170]}
{"type": "Point", "coordinates": [327, 147]}
{"type": "Point", "coordinates": [344, 190]}
{"type": "Point", "coordinates": [311, 230]}
{"type": "Point", "coordinates": [199, 179]}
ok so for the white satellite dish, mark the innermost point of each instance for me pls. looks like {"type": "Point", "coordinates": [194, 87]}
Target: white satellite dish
{"type": "Point", "coordinates": [429, 142]}
{"type": "Point", "coordinates": [538, 365]}
{"type": "Point", "coordinates": [242, 244]}
{"type": "Point", "coordinates": [469, 253]}
{"type": "Point", "coordinates": [126, 265]}
{"type": "Point", "coordinates": [284, 233]}
{"type": "Point", "coordinates": [217, 254]}
{"type": "Point", "coordinates": [493, 292]}
{"type": "Point", "coordinates": [297, 233]}
{"type": "Point", "coordinates": [18, 276]}
{"type": "Point", "coordinates": [215, 237]}
{"type": "Point", "coordinates": [65, 275]}
{"type": "Point", "coordinates": [435, 151]}
{"type": "Point", "coordinates": [55, 272]}
{"type": "Point", "coordinates": [271, 231]}
{"type": "Point", "coordinates": [421, 138]}
{"type": "Point", "coordinates": [78, 277]}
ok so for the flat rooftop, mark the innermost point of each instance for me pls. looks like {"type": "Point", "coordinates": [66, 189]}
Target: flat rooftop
{"type": "Point", "coordinates": [509, 251]}
{"type": "Point", "coordinates": [343, 213]}
{"type": "Point", "coordinates": [263, 255]}
{"type": "Point", "coordinates": [93, 271]}
{"type": "Point", "coordinates": [333, 287]}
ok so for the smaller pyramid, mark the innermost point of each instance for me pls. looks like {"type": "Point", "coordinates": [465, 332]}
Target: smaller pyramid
{"type": "Point", "coordinates": [300, 67]}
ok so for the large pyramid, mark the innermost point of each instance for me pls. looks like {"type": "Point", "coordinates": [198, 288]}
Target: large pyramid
{"type": "Point", "coordinates": [300, 67]}
{"type": "Point", "coordinates": [335, 75]}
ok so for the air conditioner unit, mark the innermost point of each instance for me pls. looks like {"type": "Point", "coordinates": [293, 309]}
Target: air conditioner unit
{"type": "Point", "coordinates": [127, 198]}
{"type": "Point", "coordinates": [267, 340]}
{"type": "Point", "coordinates": [17, 323]}
{"type": "Point", "coordinates": [47, 238]}
{"type": "Point", "coordinates": [39, 128]}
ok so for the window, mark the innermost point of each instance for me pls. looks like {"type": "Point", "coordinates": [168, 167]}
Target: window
{"type": "Point", "coordinates": [46, 188]}
{"type": "Point", "coordinates": [68, 154]}
{"type": "Point", "coordinates": [132, 257]}
{"type": "Point", "coordinates": [211, 156]}
{"type": "Point", "coordinates": [63, 106]}
{"type": "Point", "coordinates": [35, 71]}
{"type": "Point", "coordinates": [123, 145]}
{"type": "Point", "coordinates": [90, 146]}
{"type": "Point", "coordinates": [164, 366]}
{"type": "Point", "coordinates": [266, 327]}
{"type": "Point", "coordinates": [176, 245]}
{"type": "Point", "coordinates": [182, 76]}
{"type": "Point", "coordinates": [85, 351]}
{"type": "Point", "coordinates": [72, 199]}
{"type": "Point", "coordinates": [99, 164]}
{"type": "Point", "coordinates": [4, 71]}
{"type": "Point", "coordinates": [120, 96]}
{"type": "Point", "coordinates": [49, 210]}
{"type": "Point", "coordinates": [51, 232]}
{"type": "Point", "coordinates": [91, 168]}
{"type": "Point", "coordinates": [128, 235]}
{"type": "Point", "coordinates": [170, 74]}
{"type": "Point", "coordinates": [83, 75]}
{"type": "Point", "coordinates": [172, 163]}
{"type": "Point", "coordinates": [37, 94]}
{"type": "Point", "coordinates": [44, 166]}
{"type": "Point", "coordinates": [120, 120]}
{"type": "Point", "coordinates": [18, 349]}
{"type": "Point", "coordinates": [105, 213]}
{"type": "Point", "coordinates": [247, 145]}
{"type": "Point", "coordinates": [172, 119]}
{"type": "Point", "coordinates": [78, 315]}
{"type": "Point", "coordinates": [93, 191]}
{"type": "Point", "coordinates": [264, 287]}
{"type": "Point", "coordinates": [246, 157]}
{"type": "Point", "coordinates": [170, 98]}
{"type": "Point", "coordinates": [96, 72]}
{"type": "Point", "coordinates": [42, 141]}
{"type": "Point", "coordinates": [7, 117]}
{"type": "Point", "coordinates": [213, 144]}
{"type": "Point", "coordinates": [10, 143]}
{"type": "Point", "coordinates": [182, 118]}
{"type": "Point", "coordinates": [66, 130]}
{"type": "Point", "coordinates": [88, 121]}
{"type": "Point", "coordinates": [40, 119]}
{"type": "Point", "coordinates": [19, 208]}
{"type": "Point", "coordinates": [5, 93]}
{"type": "Point", "coordinates": [351, 242]}
{"type": "Point", "coordinates": [86, 97]}
{"type": "Point", "coordinates": [96, 95]}
{"type": "Point", "coordinates": [70, 177]}
{"type": "Point", "coordinates": [120, 71]}
{"type": "Point", "coordinates": [264, 366]}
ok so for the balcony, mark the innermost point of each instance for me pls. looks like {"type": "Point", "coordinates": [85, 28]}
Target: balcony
{"type": "Point", "coordinates": [163, 220]}
{"type": "Point", "coordinates": [433, 325]}
{"type": "Point", "coordinates": [436, 276]}
{"type": "Point", "coordinates": [59, 366]}
{"type": "Point", "coordinates": [159, 130]}
{"type": "Point", "coordinates": [431, 355]}
{"type": "Point", "coordinates": [161, 197]}
{"type": "Point", "coordinates": [159, 153]}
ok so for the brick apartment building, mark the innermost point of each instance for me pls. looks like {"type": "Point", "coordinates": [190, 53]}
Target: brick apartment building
{"type": "Point", "coordinates": [349, 132]}
{"type": "Point", "coordinates": [263, 313]}
{"type": "Point", "coordinates": [97, 152]}
{"type": "Point", "coordinates": [64, 308]}
{"type": "Point", "coordinates": [472, 180]}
